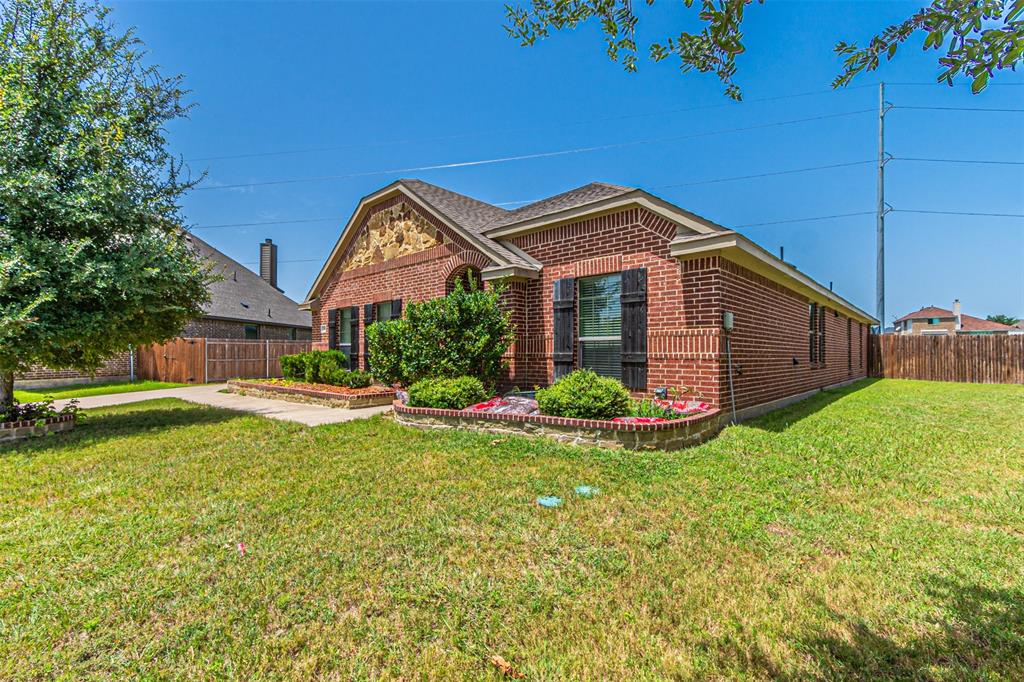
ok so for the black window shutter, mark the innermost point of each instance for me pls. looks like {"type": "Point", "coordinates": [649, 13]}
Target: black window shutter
{"type": "Point", "coordinates": [368, 314]}
{"type": "Point", "coordinates": [353, 351]}
{"type": "Point", "coordinates": [396, 309]}
{"type": "Point", "coordinates": [332, 328]}
{"type": "Point", "coordinates": [565, 325]}
{"type": "Point", "coordinates": [634, 328]}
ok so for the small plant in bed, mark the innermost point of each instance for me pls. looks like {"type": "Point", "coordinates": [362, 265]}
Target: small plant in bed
{"type": "Point", "coordinates": [314, 367]}
{"type": "Point", "coordinates": [584, 395]}
{"type": "Point", "coordinates": [36, 411]}
{"type": "Point", "coordinates": [451, 394]}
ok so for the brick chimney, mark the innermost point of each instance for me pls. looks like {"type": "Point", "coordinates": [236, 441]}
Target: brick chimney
{"type": "Point", "coordinates": [956, 312]}
{"type": "Point", "coordinates": [268, 262]}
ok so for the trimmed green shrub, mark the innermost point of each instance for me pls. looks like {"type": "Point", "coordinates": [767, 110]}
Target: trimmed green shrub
{"type": "Point", "coordinates": [294, 366]}
{"type": "Point", "coordinates": [349, 379]}
{"type": "Point", "coordinates": [584, 395]}
{"type": "Point", "coordinates": [313, 367]}
{"type": "Point", "coordinates": [465, 333]}
{"type": "Point", "coordinates": [451, 394]}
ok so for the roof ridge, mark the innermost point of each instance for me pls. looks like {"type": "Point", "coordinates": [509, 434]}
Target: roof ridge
{"type": "Point", "coordinates": [451, 191]}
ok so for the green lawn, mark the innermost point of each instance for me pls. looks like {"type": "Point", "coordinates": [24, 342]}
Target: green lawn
{"type": "Point", "coordinates": [872, 532]}
{"type": "Point", "coordinates": [83, 390]}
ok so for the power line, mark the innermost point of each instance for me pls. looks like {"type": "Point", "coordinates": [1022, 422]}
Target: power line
{"type": "Point", "coordinates": [570, 124]}
{"type": "Point", "coordinates": [987, 215]}
{"type": "Point", "coordinates": [806, 220]}
{"type": "Point", "coordinates": [934, 83]}
{"type": "Point", "coordinates": [979, 161]}
{"type": "Point", "coordinates": [538, 155]}
{"type": "Point", "coordinates": [765, 175]}
{"type": "Point", "coordinates": [267, 222]}
{"type": "Point", "coordinates": [1012, 111]}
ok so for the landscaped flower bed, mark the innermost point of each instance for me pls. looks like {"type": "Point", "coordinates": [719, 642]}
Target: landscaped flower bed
{"type": "Point", "coordinates": [629, 434]}
{"type": "Point", "coordinates": [26, 428]}
{"type": "Point", "coordinates": [321, 394]}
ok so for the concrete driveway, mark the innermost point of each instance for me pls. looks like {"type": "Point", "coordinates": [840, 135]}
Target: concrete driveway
{"type": "Point", "coordinates": [209, 394]}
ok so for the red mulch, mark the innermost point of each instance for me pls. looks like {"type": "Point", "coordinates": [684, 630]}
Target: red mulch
{"type": "Point", "coordinates": [326, 388]}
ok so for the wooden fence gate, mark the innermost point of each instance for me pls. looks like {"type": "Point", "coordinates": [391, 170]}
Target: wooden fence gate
{"type": "Point", "coordinates": [197, 361]}
{"type": "Point", "coordinates": [983, 359]}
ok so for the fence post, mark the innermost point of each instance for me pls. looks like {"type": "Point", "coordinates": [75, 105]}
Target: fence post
{"type": "Point", "coordinates": [206, 361]}
{"type": "Point", "coordinates": [266, 352]}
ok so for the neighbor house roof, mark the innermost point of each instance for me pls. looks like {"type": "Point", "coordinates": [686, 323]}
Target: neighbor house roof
{"type": "Point", "coordinates": [242, 295]}
{"type": "Point", "coordinates": [968, 323]}
{"type": "Point", "coordinates": [926, 313]}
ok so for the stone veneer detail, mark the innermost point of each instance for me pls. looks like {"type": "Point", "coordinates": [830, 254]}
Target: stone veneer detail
{"type": "Point", "coordinates": [392, 233]}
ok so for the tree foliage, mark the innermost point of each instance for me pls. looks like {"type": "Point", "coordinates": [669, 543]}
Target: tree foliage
{"type": "Point", "coordinates": [979, 36]}
{"type": "Point", "coordinates": [1008, 320]}
{"type": "Point", "coordinates": [92, 253]}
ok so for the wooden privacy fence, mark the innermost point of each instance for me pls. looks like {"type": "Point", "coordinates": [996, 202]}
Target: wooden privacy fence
{"type": "Point", "coordinates": [196, 361]}
{"type": "Point", "coordinates": [988, 359]}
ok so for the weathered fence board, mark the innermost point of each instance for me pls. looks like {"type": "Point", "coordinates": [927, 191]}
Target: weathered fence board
{"type": "Point", "coordinates": [195, 361]}
{"type": "Point", "coordinates": [983, 359]}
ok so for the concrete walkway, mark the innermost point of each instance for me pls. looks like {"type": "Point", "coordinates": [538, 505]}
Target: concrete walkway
{"type": "Point", "coordinates": [209, 394]}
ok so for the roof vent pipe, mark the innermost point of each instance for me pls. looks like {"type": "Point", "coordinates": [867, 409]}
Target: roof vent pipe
{"type": "Point", "coordinates": [268, 262]}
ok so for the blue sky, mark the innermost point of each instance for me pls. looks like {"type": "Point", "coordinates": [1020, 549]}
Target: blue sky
{"type": "Point", "coordinates": [390, 85]}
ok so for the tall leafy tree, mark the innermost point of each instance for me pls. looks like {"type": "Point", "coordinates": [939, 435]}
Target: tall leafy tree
{"type": "Point", "coordinates": [92, 253]}
{"type": "Point", "coordinates": [979, 37]}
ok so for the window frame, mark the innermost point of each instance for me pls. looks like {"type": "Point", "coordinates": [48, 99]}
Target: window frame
{"type": "Point", "coordinates": [256, 331]}
{"type": "Point", "coordinates": [377, 308]}
{"type": "Point", "coordinates": [582, 341]}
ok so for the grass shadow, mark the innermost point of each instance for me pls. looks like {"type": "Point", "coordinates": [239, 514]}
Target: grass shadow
{"type": "Point", "coordinates": [781, 419]}
{"type": "Point", "coordinates": [980, 635]}
{"type": "Point", "coordinates": [119, 421]}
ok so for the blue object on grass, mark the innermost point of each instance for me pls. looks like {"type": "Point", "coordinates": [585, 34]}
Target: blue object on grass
{"type": "Point", "coordinates": [549, 501]}
{"type": "Point", "coordinates": [587, 490]}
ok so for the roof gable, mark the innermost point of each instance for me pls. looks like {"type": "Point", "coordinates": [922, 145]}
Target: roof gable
{"type": "Point", "coordinates": [240, 294]}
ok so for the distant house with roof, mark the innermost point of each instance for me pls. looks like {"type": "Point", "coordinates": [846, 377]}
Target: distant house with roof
{"type": "Point", "coordinates": [243, 305]}
{"type": "Point", "coordinates": [933, 321]}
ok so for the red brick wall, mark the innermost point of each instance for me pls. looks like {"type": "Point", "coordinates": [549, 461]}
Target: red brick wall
{"type": "Point", "coordinates": [682, 338]}
{"type": "Point", "coordinates": [208, 328]}
{"type": "Point", "coordinates": [415, 277]}
{"type": "Point", "coordinates": [116, 367]}
{"type": "Point", "coordinates": [771, 330]}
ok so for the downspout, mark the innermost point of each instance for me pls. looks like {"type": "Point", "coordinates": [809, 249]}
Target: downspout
{"type": "Point", "coordinates": [727, 324]}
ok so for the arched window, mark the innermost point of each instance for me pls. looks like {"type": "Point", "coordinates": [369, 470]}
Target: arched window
{"type": "Point", "coordinates": [468, 275]}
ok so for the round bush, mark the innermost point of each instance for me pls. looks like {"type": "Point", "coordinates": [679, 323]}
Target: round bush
{"type": "Point", "coordinates": [450, 394]}
{"type": "Point", "coordinates": [584, 395]}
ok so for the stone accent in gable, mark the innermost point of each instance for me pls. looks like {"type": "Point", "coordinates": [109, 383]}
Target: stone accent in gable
{"type": "Point", "coordinates": [391, 233]}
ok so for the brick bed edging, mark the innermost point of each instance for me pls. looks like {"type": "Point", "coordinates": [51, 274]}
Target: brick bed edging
{"type": "Point", "coordinates": [308, 395]}
{"type": "Point", "coordinates": [26, 428]}
{"type": "Point", "coordinates": [671, 435]}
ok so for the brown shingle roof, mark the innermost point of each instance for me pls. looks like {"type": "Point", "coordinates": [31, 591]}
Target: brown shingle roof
{"type": "Point", "coordinates": [581, 196]}
{"type": "Point", "coordinates": [968, 323]}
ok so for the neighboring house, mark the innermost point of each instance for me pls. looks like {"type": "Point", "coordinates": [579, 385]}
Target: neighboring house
{"type": "Point", "coordinates": [243, 305]}
{"type": "Point", "coordinates": [606, 277]}
{"type": "Point", "coordinates": [932, 321]}
{"type": "Point", "coordinates": [246, 305]}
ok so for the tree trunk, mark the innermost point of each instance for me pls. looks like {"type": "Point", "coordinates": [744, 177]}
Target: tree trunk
{"type": "Point", "coordinates": [6, 390]}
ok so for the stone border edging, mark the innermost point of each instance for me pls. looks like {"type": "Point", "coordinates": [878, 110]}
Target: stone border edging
{"type": "Point", "coordinates": [668, 435]}
{"type": "Point", "coordinates": [25, 428]}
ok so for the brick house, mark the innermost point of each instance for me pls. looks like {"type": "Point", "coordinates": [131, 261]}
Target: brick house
{"type": "Point", "coordinates": [933, 321]}
{"type": "Point", "coordinates": [243, 305]}
{"type": "Point", "coordinates": [606, 277]}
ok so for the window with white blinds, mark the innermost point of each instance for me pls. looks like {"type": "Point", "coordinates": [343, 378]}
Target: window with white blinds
{"type": "Point", "coordinates": [600, 324]}
{"type": "Point", "coordinates": [345, 327]}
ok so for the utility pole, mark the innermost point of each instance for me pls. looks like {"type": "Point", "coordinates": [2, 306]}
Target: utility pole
{"type": "Point", "coordinates": [882, 209]}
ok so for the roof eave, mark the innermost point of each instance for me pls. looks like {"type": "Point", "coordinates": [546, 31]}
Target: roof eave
{"type": "Point", "coordinates": [741, 250]}
{"type": "Point", "coordinates": [636, 197]}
